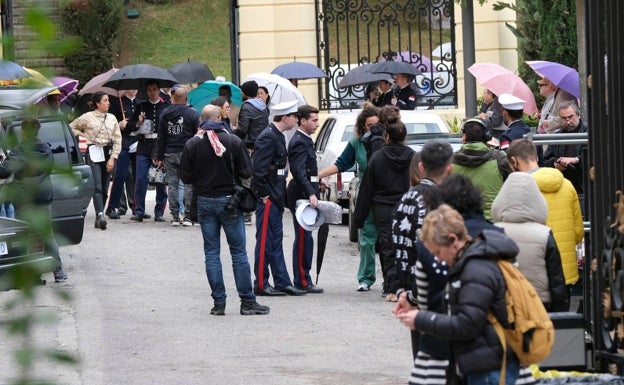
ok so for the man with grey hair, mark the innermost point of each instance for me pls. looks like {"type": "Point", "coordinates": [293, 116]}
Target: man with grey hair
{"type": "Point", "coordinates": [178, 123]}
{"type": "Point", "coordinates": [567, 157]}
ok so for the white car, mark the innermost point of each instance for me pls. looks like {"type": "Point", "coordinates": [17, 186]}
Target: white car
{"type": "Point", "coordinates": [339, 128]}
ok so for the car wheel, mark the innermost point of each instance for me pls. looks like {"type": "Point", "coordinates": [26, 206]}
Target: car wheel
{"type": "Point", "coordinates": [353, 231]}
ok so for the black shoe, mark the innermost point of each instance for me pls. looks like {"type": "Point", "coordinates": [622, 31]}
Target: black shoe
{"type": "Point", "coordinates": [100, 222]}
{"type": "Point", "coordinates": [253, 308]}
{"type": "Point", "coordinates": [313, 289]}
{"type": "Point", "coordinates": [218, 309]}
{"type": "Point", "coordinates": [159, 219]}
{"type": "Point", "coordinates": [269, 291]}
{"type": "Point", "coordinates": [137, 218]}
{"type": "Point", "coordinates": [146, 216]}
{"type": "Point", "coordinates": [121, 211]}
{"type": "Point", "coordinates": [291, 290]}
{"type": "Point", "coordinates": [112, 214]}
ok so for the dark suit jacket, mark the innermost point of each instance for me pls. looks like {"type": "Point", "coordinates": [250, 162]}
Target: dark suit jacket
{"type": "Point", "coordinates": [302, 160]}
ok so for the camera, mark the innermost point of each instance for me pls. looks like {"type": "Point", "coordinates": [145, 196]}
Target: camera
{"type": "Point", "coordinates": [235, 198]}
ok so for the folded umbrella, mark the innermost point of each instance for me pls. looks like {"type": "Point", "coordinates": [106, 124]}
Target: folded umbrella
{"type": "Point", "coordinates": [97, 84]}
{"type": "Point", "coordinates": [209, 90]}
{"type": "Point", "coordinates": [562, 76]}
{"type": "Point", "coordinates": [191, 72]}
{"type": "Point", "coordinates": [395, 67]}
{"type": "Point", "coordinates": [136, 76]}
{"type": "Point", "coordinates": [66, 86]}
{"type": "Point", "coordinates": [501, 80]}
{"type": "Point", "coordinates": [299, 70]}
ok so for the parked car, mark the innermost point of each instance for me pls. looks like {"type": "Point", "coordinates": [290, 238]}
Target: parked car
{"type": "Point", "coordinates": [21, 249]}
{"type": "Point", "coordinates": [72, 180]}
{"type": "Point", "coordinates": [339, 128]}
{"type": "Point", "coordinates": [418, 133]}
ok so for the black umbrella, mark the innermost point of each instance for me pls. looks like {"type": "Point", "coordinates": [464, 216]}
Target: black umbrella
{"type": "Point", "coordinates": [323, 234]}
{"type": "Point", "coordinates": [362, 75]}
{"type": "Point", "coordinates": [191, 72]}
{"type": "Point", "coordinates": [394, 67]}
{"type": "Point", "coordinates": [135, 77]}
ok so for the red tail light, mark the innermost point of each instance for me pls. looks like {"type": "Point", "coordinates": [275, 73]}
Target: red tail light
{"type": "Point", "coordinates": [35, 244]}
{"type": "Point", "coordinates": [339, 183]}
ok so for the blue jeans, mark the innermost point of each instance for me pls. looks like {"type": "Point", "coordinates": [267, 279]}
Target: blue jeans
{"type": "Point", "coordinates": [493, 377]}
{"type": "Point", "coordinates": [140, 189]}
{"type": "Point", "coordinates": [172, 164]}
{"type": "Point", "coordinates": [212, 216]}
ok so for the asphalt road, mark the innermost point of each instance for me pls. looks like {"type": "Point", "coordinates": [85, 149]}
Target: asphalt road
{"type": "Point", "coordinates": [140, 314]}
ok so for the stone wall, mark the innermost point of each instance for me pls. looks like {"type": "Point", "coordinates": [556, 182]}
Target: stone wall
{"type": "Point", "coordinates": [26, 52]}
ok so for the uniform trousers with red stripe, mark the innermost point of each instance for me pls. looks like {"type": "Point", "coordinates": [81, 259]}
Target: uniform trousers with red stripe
{"type": "Point", "coordinates": [303, 246]}
{"type": "Point", "coordinates": [269, 250]}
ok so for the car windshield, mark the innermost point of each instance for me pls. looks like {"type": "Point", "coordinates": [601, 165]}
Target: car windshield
{"type": "Point", "coordinates": [413, 130]}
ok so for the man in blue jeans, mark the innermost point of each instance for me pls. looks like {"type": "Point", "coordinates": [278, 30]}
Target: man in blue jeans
{"type": "Point", "coordinates": [210, 162]}
{"type": "Point", "coordinates": [144, 123]}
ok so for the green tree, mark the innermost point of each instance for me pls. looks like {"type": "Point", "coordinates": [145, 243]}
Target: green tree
{"type": "Point", "coordinates": [97, 23]}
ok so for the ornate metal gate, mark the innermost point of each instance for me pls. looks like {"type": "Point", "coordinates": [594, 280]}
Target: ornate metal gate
{"type": "Point", "coordinates": [355, 32]}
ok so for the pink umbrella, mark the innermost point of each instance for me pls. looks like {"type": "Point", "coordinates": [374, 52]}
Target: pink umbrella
{"type": "Point", "coordinates": [500, 80]}
{"type": "Point", "coordinates": [66, 86]}
{"type": "Point", "coordinates": [97, 84]}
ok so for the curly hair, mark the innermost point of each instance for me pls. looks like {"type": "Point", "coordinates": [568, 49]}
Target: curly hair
{"type": "Point", "coordinates": [460, 193]}
{"type": "Point", "coordinates": [367, 112]}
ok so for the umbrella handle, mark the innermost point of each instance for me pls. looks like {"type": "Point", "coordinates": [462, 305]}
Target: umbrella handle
{"type": "Point", "coordinates": [123, 113]}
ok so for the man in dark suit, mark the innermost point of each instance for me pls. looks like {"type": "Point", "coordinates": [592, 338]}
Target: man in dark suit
{"type": "Point", "coordinates": [304, 185]}
{"type": "Point", "coordinates": [269, 184]}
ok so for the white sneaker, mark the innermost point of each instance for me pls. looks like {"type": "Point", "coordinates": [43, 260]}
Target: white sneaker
{"type": "Point", "coordinates": [363, 287]}
{"type": "Point", "coordinates": [187, 222]}
{"type": "Point", "coordinates": [175, 222]}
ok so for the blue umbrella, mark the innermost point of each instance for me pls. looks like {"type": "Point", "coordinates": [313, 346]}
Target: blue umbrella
{"type": "Point", "coordinates": [209, 90]}
{"type": "Point", "coordinates": [12, 71]}
{"type": "Point", "coordinates": [299, 70]}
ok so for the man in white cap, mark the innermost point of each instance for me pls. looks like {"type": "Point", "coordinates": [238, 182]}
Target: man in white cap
{"type": "Point", "coordinates": [269, 184]}
{"type": "Point", "coordinates": [512, 115]}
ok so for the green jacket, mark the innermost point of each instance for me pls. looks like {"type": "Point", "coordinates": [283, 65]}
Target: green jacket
{"type": "Point", "coordinates": [486, 168]}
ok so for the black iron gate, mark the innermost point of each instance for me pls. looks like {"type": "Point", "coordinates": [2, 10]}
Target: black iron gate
{"type": "Point", "coordinates": [355, 32]}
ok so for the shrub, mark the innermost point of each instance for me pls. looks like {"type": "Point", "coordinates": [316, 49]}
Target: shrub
{"type": "Point", "coordinates": [97, 23]}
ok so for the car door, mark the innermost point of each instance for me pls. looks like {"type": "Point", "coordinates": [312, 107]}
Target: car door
{"type": "Point", "coordinates": [72, 179]}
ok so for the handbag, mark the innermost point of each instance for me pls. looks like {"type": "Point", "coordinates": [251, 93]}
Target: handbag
{"type": "Point", "coordinates": [243, 197]}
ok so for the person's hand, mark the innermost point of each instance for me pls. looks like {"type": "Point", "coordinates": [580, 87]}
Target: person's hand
{"type": "Point", "coordinates": [265, 200]}
{"type": "Point", "coordinates": [408, 318]}
{"type": "Point", "coordinates": [110, 164]}
{"type": "Point", "coordinates": [123, 124]}
{"type": "Point", "coordinates": [483, 115]}
{"type": "Point", "coordinates": [559, 166]}
{"type": "Point", "coordinates": [322, 185]}
{"type": "Point", "coordinates": [160, 163]}
{"type": "Point", "coordinates": [313, 201]}
{"type": "Point", "coordinates": [394, 100]}
{"type": "Point", "coordinates": [402, 305]}
{"type": "Point", "coordinates": [141, 118]}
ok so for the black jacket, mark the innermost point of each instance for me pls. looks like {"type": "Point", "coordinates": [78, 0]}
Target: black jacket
{"type": "Point", "coordinates": [211, 175]}
{"type": "Point", "coordinates": [31, 165]}
{"type": "Point", "coordinates": [269, 165]}
{"type": "Point", "coordinates": [152, 111]}
{"type": "Point", "coordinates": [386, 179]}
{"type": "Point", "coordinates": [178, 123]}
{"type": "Point", "coordinates": [476, 286]}
{"type": "Point", "coordinates": [406, 98]}
{"type": "Point", "coordinates": [573, 173]}
{"type": "Point", "coordinates": [252, 119]}
{"type": "Point", "coordinates": [129, 108]}
{"type": "Point", "coordinates": [384, 99]}
{"type": "Point", "coordinates": [302, 161]}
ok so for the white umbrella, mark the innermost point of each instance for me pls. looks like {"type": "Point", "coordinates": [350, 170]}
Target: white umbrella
{"type": "Point", "coordinates": [442, 50]}
{"type": "Point", "coordinates": [280, 89]}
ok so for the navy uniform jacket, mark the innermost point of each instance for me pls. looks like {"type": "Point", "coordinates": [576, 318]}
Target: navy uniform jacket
{"type": "Point", "coordinates": [302, 160]}
{"type": "Point", "coordinates": [406, 98]}
{"type": "Point", "coordinates": [516, 130]}
{"type": "Point", "coordinates": [384, 99]}
{"type": "Point", "coordinates": [269, 165]}
{"type": "Point", "coordinates": [129, 108]}
{"type": "Point", "coordinates": [152, 112]}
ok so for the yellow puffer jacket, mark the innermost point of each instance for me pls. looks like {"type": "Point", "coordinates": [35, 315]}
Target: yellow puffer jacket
{"type": "Point", "coordinates": [564, 217]}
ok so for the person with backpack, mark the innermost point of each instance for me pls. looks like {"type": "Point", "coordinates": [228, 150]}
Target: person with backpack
{"type": "Point", "coordinates": [476, 350]}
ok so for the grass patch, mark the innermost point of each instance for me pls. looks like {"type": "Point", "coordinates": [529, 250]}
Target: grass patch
{"type": "Point", "coordinates": [164, 35]}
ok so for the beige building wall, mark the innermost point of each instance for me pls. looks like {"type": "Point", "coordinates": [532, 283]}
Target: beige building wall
{"type": "Point", "coordinates": [273, 32]}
